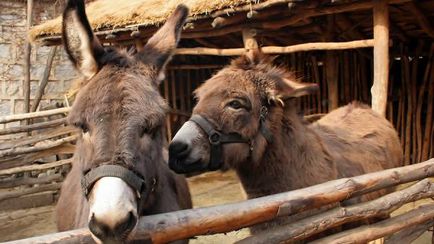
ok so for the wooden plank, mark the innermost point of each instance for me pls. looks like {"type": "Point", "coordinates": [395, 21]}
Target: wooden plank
{"type": "Point", "coordinates": [381, 57]}
{"type": "Point", "coordinates": [167, 227]}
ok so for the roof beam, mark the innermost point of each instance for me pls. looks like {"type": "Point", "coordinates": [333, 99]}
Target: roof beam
{"type": "Point", "coordinates": [421, 17]}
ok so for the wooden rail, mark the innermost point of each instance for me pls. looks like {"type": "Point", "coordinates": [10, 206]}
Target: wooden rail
{"type": "Point", "coordinates": [162, 228]}
{"type": "Point", "coordinates": [278, 50]}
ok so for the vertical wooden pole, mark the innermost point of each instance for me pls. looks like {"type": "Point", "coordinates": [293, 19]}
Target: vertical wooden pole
{"type": "Point", "coordinates": [332, 68]}
{"type": "Point", "coordinates": [381, 56]}
{"type": "Point", "coordinates": [27, 53]}
{"type": "Point", "coordinates": [249, 39]}
{"type": "Point", "coordinates": [44, 79]}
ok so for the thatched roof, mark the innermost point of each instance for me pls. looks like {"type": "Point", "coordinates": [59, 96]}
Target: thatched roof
{"type": "Point", "coordinates": [112, 14]}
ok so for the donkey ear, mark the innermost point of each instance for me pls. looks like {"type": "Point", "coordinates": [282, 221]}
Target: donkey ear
{"type": "Point", "coordinates": [289, 88]}
{"type": "Point", "coordinates": [160, 47]}
{"type": "Point", "coordinates": [81, 44]}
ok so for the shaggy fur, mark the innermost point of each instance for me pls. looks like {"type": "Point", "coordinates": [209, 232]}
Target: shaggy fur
{"type": "Point", "coordinates": [121, 115]}
{"type": "Point", "coordinates": [349, 141]}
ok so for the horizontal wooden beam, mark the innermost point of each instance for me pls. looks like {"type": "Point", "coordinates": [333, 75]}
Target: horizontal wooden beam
{"type": "Point", "coordinates": [338, 216]}
{"type": "Point", "coordinates": [17, 117]}
{"type": "Point", "coordinates": [194, 66]}
{"type": "Point", "coordinates": [48, 145]}
{"type": "Point", "coordinates": [371, 232]}
{"type": "Point", "coordinates": [167, 227]}
{"type": "Point", "coordinates": [35, 167]}
{"type": "Point", "coordinates": [278, 50]}
{"type": "Point", "coordinates": [31, 127]}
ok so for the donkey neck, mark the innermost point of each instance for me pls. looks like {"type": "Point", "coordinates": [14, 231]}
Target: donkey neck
{"type": "Point", "coordinates": [295, 159]}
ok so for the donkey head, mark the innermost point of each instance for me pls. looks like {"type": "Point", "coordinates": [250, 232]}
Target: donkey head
{"type": "Point", "coordinates": [120, 114]}
{"type": "Point", "coordinates": [238, 111]}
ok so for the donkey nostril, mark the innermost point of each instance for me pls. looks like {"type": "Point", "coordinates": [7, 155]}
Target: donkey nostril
{"type": "Point", "coordinates": [123, 228]}
{"type": "Point", "coordinates": [179, 149]}
{"type": "Point", "coordinates": [99, 230]}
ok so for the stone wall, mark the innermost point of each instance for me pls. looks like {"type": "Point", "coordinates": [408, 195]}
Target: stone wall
{"type": "Point", "coordinates": [12, 41]}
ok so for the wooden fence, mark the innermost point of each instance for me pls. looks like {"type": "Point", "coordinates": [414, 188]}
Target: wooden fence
{"type": "Point", "coordinates": [35, 155]}
{"type": "Point", "coordinates": [162, 228]}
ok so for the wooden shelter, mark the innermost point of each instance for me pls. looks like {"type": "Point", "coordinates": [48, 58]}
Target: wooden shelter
{"type": "Point", "coordinates": [378, 52]}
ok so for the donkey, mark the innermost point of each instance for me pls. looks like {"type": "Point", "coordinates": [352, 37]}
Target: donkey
{"type": "Point", "coordinates": [118, 172]}
{"type": "Point", "coordinates": [246, 119]}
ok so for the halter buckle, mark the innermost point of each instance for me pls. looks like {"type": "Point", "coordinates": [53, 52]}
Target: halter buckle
{"type": "Point", "coordinates": [214, 138]}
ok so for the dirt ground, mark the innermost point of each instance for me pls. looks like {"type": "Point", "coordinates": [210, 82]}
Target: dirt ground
{"type": "Point", "coordinates": [207, 189]}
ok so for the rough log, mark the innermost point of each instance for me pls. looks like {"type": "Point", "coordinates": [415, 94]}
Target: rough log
{"type": "Point", "coordinates": [26, 191]}
{"type": "Point", "coordinates": [16, 117]}
{"type": "Point", "coordinates": [278, 50]}
{"type": "Point", "coordinates": [44, 81]}
{"type": "Point", "coordinates": [367, 233]}
{"type": "Point", "coordinates": [408, 235]}
{"type": "Point", "coordinates": [331, 67]}
{"type": "Point", "coordinates": [40, 137]}
{"type": "Point", "coordinates": [48, 145]}
{"type": "Point", "coordinates": [35, 167]}
{"type": "Point", "coordinates": [31, 127]}
{"type": "Point", "coordinates": [22, 181]}
{"type": "Point", "coordinates": [249, 39]}
{"type": "Point", "coordinates": [381, 57]}
{"type": "Point", "coordinates": [183, 224]}
{"type": "Point", "coordinates": [25, 159]}
{"type": "Point", "coordinates": [195, 66]}
{"type": "Point", "coordinates": [336, 217]}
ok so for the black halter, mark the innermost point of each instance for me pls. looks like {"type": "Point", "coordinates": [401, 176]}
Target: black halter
{"type": "Point", "coordinates": [217, 138]}
{"type": "Point", "coordinates": [137, 182]}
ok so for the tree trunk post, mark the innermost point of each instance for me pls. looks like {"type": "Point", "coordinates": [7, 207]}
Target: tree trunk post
{"type": "Point", "coordinates": [381, 56]}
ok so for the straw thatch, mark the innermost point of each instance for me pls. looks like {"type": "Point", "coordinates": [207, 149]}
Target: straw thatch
{"type": "Point", "coordinates": [111, 14]}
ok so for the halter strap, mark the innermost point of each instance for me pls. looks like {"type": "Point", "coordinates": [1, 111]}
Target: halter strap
{"type": "Point", "coordinates": [216, 139]}
{"type": "Point", "coordinates": [132, 179]}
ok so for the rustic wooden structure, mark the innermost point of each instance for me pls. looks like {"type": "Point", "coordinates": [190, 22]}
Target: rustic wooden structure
{"type": "Point", "coordinates": [34, 158]}
{"type": "Point", "coordinates": [328, 42]}
{"type": "Point", "coordinates": [379, 52]}
{"type": "Point", "coordinates": [172, 226]}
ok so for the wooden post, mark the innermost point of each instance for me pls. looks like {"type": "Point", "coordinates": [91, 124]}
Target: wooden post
{"type": "Point", "coordinates": [381, 56]}
{"type": "Point", "coordinates": [27, 53]}
{"type": "Point", "coordinates": [44, 80]}
{"type": "Point", "coordinates": [249, 39]}
{"type": "Point", "coordinates": [332, 68]}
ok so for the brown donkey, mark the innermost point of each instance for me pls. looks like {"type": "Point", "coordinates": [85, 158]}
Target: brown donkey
{"type": "Point", "coordinates": [119, 172]}
{"type": "Point", "coordinates": [245, 119]}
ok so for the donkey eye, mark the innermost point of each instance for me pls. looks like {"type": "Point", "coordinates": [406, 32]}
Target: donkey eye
{"type": "Point", "coordinates": [83, 126]}
{"type": "Point", "coordinates": [235, 104]}
{"type": "Point", "coordinates": [144, 130]}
